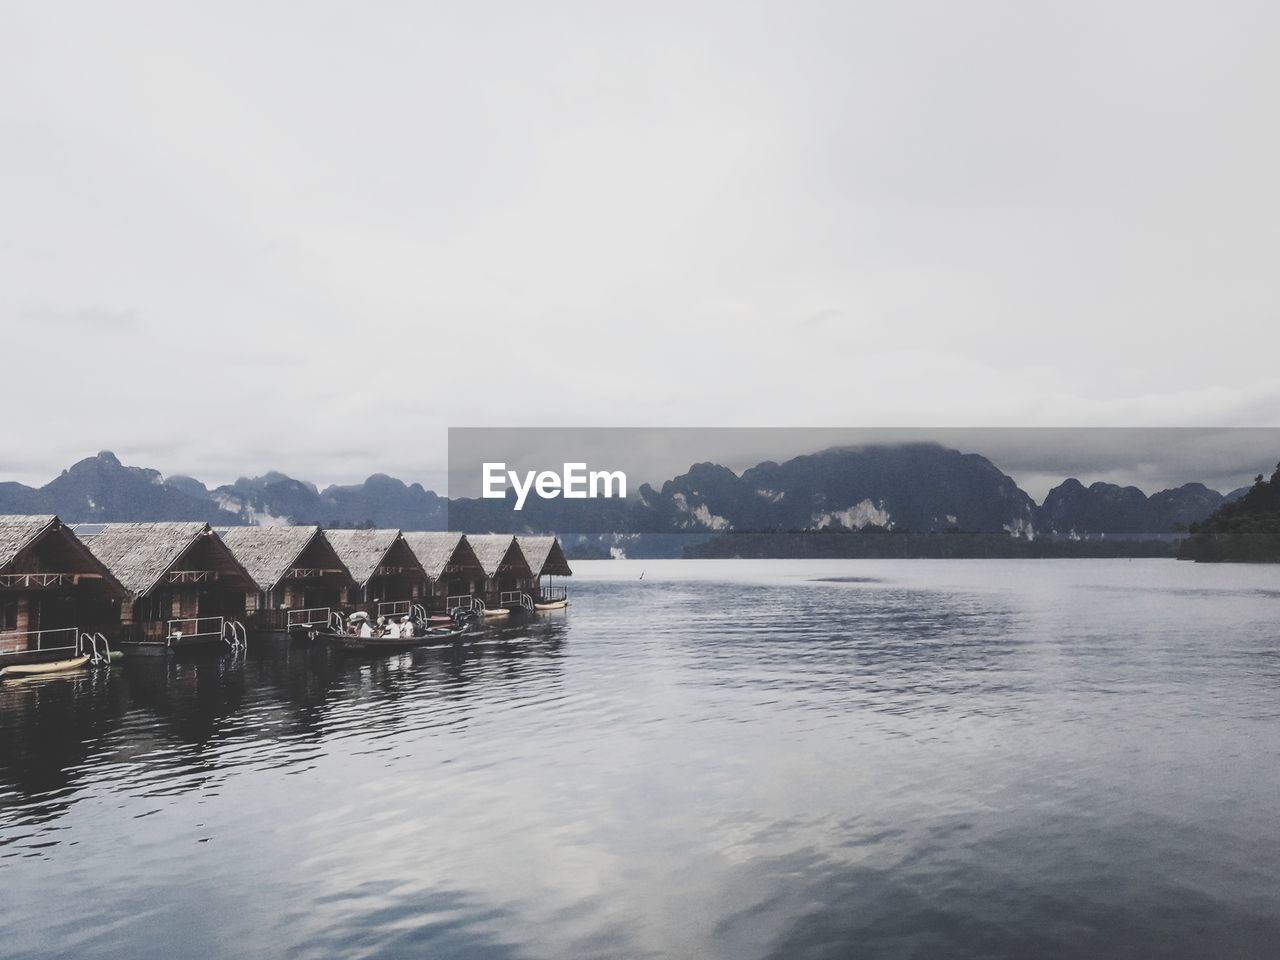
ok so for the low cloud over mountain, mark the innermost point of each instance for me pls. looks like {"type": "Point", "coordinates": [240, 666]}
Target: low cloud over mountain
{"type": "Point", "coordinates": [917, 487]}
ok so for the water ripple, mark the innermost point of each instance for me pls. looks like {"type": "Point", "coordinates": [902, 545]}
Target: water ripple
{"type": "Point", "coordinates": [738, 759]}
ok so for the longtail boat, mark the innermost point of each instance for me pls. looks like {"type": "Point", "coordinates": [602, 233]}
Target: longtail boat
{"type": "Point", "coordinates": [431, 635]}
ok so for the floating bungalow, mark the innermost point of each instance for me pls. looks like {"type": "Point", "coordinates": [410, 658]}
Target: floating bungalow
{"type": "Point", "coordinates": [52, 590]}
{"type": "Point", "coordinates": [508, 579]}
{"type": "Point", "coordinates": [455, 576]}
{"type": "Point", "coordinates": [388, 576]}
{"type": "Point", "coordinates": [184, 583]}
{"type": "Point", "coordinates": [301, 580]}
{"type": "Point", "coordinates": [546, 559]}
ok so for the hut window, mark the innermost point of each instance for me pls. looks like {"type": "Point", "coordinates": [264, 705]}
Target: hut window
{"type": "Point", "coordinates": [9, 615]}
{"type": "Point", "coordinates": [158, 606]}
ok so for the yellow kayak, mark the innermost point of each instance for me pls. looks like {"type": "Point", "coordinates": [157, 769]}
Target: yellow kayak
{"type": "Point", "coordinates": [551, 605]}
{"type": "Point", "coordinates": [496, 612]}
{"type": "Point", "coordinates": [36, 669]}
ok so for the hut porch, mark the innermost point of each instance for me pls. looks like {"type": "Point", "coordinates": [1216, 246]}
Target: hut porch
{"type": "Point", "coordinates": [547, 560]}
{"type": "Point", "coordinates": [183, 579]}
{"type": "Point", "coordinates": [454, 574]}
{"type": "Point", "coordinates": [508, 578]}
{"type": "Point", "coordinates": [301, 580]}
{"type": "Point", "coordinates": [389, 578]}
{"type": "Point", "coordinates": [52, 589]}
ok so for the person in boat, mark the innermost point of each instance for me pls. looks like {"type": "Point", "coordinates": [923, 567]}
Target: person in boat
{"type": "Point", "coordinates": [366, 631]}
{"type": "Point", "coordinates": [406, 628]}
{"type": "Point", "coordinates": [391, 630]}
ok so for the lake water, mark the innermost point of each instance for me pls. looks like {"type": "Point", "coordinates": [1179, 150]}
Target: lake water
{"type": "Point", "coordinates": [726, 759]}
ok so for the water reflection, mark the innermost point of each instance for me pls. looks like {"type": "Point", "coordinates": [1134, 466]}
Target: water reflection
{"type": "Point", "coordinates": [739, 761]}
{"type": "Point", "coordinates": [153, 720]}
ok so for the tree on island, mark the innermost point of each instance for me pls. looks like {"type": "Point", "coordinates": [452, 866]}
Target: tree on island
{"type": "Point", "coordinates": [1246, 530]}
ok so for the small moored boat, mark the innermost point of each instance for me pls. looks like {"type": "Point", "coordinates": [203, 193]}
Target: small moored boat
{"type": "Point", "coordinates": [39, 669]}
{"type": "Point", "coordinates": [550, 604]}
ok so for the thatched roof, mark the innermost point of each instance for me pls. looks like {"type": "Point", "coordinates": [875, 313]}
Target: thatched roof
{"type": "Point", "coordinates": [140, 554]}
{"type": "Point", "coordinates": [489, 549]}
{"type": "Point", "coordinates": [57, 546]}
{"type": "Point", "coordinates": [19, 532]}
{"type": "Point", "coordinates": [435, 550]}
{"type": "Point", "coordinates": [268, 553]}
{"type": "Point", "coordinates": [362, 551]}
{"type": "Point", "coordinates": [492, 548]}
{"type": "Point", "coordinates": [544, 556]}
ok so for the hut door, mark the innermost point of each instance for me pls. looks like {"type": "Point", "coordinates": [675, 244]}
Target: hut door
{"type": "Point", "coordinates": [228, 603]}
{"type": "Point", "coordinates": [51, 612]}
{"type": "Point", "coordinates": [320, 597]}
{"type": "Point", "coordinates": [54, 612]}
{"type": "Point", "coordinates": [220, 603]}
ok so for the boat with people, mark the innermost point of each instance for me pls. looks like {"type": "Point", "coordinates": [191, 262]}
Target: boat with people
{"type": "Point", "coordinates": [426, 638]}
{"type": "Point", "coordinates": [362, 633]}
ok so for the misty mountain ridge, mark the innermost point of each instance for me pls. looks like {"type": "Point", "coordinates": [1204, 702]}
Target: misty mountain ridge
{"type": "Point", "coordinates": [1072, 509]}
{"type": "Point", "coordinates": [922, 488]}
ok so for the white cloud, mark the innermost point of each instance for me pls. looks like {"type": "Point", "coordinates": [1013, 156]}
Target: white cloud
{"type": "Point", "coordinates": [336, 231]}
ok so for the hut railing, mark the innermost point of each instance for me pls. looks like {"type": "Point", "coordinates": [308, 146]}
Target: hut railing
{"type": "Point", "coordinates": [147, 631]}
{"type": "Point", "coordinates": [270, 619]}
{"type": "Point", "coordinates": [461, 601]}
{"type": "Point", "coordinates": [16, 642]}
{"type": "Point", "coordinates": [307, 617]}
{"type": "Point", "coordinates": [516, 598]}
{"type": "Point", "coordinates": [198, 627]}
{"type": "Point", "coordinates": [552, 594]}
{"type": "Point", "coordinates": [395, 608]}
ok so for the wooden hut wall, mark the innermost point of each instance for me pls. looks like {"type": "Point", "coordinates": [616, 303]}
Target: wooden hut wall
{"type": "Point", "coordinates": [293, 567]}
{"type": "Point", "coordinates": [316, 579]}
{"type": "Point", "coordinates": [462, 580]}
{"type": "Point", "coordinates": [50, 581]}
{"type": "Point", "coordinates": [203, 582]}
{"type": "Point", "coordinates": [174, 570]}
{"type": "Point", "coordinates": [398, 577]}
{"type": "Point", "coordinates": [546, 559]}
{"type": "Point", "coordinates": [503, 563]}
{"type": "Point", "coordinates": [450, 566]}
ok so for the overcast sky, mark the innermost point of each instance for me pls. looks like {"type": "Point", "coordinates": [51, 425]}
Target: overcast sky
{"type": "Point", "coordinates": [310, 237]}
